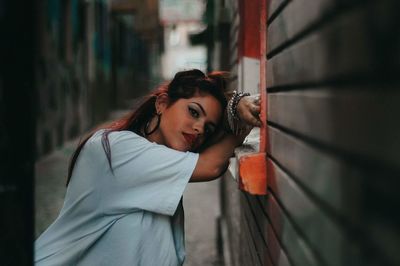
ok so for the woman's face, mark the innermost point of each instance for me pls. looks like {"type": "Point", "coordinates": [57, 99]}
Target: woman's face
{"type": "Point", "coordinates": [186, 123]}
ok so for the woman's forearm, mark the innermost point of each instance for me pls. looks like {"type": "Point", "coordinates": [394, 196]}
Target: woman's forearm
{"type": "Point", "coordinates": [214, 160]}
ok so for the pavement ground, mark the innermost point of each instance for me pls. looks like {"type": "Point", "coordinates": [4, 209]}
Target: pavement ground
{"type": "Point", "coordinates": [201, 204]}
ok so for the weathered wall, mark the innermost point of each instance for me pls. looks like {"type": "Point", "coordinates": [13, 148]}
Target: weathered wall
{"type": "Point", "coordinates": [332, 103]}
{"type": "Point", "coordinates": [92, 59]}
{"type": "Point", "coordinates": [73, 68]}
{"type": "Point", "coordinates": [333, 140]}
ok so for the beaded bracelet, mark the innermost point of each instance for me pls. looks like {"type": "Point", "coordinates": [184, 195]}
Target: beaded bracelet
{"type": "Point", "coordinates": [233, 118]}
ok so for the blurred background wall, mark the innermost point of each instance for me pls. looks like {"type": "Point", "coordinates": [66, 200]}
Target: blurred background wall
{"type": "Point", "coordinates": [92, 57]}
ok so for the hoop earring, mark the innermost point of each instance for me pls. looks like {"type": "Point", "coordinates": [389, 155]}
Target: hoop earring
{"type": "Point", "coordinates": [146, 127]}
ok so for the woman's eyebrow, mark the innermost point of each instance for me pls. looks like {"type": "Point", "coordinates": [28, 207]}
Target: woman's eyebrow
{"type": "Point", "coordinates": [201, 107]}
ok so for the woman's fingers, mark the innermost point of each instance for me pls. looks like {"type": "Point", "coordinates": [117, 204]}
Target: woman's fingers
{"type": "Point", "coordinates": [251, 115]}
{"type": "Point", "coordinates": [255, 110]}
{"type": "Point", "coordinates": [256, 99]}
{"type": "Point", "coordinates": [249, 110]}
{"type": "Point", "coordinates": [252, 120]}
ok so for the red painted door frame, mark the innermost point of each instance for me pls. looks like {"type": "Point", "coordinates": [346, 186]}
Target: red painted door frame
{"type": "Point", "coordinates": [252, 47]}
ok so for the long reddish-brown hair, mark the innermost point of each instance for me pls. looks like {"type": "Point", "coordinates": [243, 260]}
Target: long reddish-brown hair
{"type": "Point", "coordinates": [185, 84]}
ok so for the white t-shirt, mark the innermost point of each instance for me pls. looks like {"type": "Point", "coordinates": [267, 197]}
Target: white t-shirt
{"type": "Point", "coordinates": [133, 216]}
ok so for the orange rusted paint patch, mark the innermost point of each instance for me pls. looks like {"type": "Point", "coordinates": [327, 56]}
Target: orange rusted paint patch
{"type": "Point", "coordinates": [253, 173]}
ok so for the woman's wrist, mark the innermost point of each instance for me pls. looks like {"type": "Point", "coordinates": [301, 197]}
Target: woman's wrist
{"type": "Point", "coordinates": [235, 123]}
{"type": "Point", "coordinates": [233, 104]}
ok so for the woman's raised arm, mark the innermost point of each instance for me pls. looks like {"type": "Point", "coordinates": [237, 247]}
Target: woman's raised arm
{"type": "Point", "coordinates": [214, 160]}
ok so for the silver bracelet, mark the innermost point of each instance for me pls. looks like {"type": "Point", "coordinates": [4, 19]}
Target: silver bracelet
{"type": "Point", "coordinates": [235, 124]}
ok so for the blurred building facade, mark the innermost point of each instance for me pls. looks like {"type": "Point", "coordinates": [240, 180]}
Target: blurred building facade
{"type": "Point", "coordinates": [92, 57]}
{"type": "Point", "coordinates": [181, 19]}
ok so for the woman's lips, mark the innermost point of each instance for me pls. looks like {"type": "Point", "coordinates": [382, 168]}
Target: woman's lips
{"type": "Point", "coordinates": [190, 138]}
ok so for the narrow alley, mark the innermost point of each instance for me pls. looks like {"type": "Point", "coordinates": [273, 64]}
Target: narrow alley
{"type": "Point", "coordinates": [316, 184]}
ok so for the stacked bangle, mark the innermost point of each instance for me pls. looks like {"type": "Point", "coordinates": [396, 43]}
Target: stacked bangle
{"type": "Point", "coordinates": [233, 118]}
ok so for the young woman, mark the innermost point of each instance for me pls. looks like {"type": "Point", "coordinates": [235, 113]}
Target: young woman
{"type": "Point", "coordinates": [126, 181]}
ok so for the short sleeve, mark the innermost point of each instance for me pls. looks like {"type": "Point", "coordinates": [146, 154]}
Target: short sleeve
{"type": "Point", "coordinates": [146, 176]}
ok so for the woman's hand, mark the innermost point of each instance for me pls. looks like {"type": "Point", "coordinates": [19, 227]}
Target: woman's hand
{"type": "Point", "coordinates": [248, 110]}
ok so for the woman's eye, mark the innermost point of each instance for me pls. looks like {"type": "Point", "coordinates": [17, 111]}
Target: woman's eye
{"type": "Point", "coordinates": [193, 112]}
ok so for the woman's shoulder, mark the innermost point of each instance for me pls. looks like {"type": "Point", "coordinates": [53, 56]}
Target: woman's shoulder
{"type": "Point", "coordinates": [114, 137]}
{"type": "Point", "coordinates": [113, 134]}
{"type": "Point", "coordinates": [125, 140]}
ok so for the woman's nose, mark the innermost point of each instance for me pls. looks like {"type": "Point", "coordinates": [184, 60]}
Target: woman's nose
{"type": "Point", "coordinates": [199, 127]}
